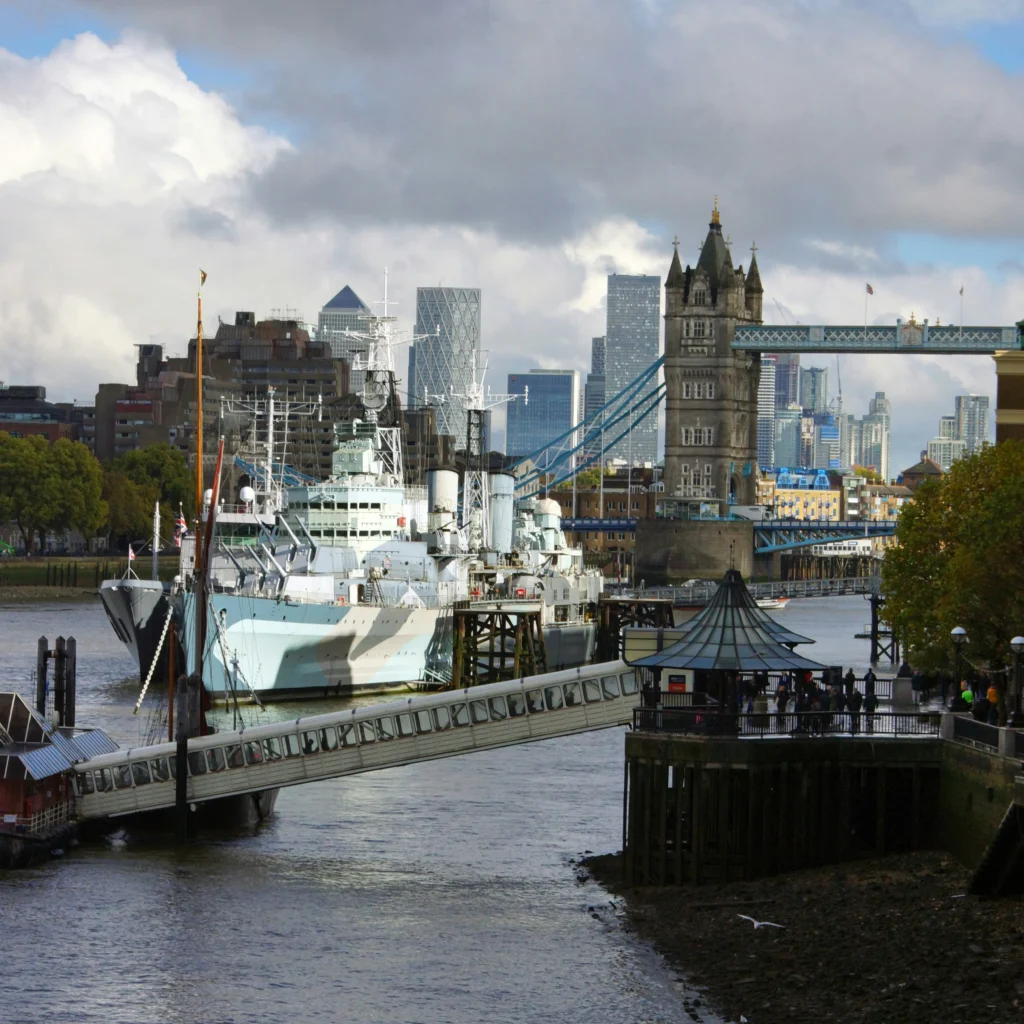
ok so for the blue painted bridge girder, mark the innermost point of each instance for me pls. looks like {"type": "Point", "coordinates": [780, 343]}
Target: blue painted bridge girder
{"type": "Point", "coordinates": [903, 336]}
{"type": "Point", "coordinates": [595, 525]}
{"type": "Point", "coordinates": [791, 534]}
{"type": "Point", "coordinates": [769, 535]}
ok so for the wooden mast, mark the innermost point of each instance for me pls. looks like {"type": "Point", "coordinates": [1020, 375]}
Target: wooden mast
{"type": "Point", "coordinates": [199, 409]}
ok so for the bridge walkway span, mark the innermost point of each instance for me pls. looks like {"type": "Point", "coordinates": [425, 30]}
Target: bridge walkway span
{"type": "Point", "coordinates": [399, 732]}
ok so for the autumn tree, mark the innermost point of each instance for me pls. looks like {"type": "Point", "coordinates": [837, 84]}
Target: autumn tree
{"type": "Point", "coordinates": [958, 560]}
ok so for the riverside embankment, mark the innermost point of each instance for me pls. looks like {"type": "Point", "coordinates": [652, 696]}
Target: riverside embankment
{"type": "Point", "coordinates": [893, 940]}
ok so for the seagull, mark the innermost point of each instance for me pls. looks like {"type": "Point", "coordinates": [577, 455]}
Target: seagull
{"type": "Point", "coordinates": [760, 924]}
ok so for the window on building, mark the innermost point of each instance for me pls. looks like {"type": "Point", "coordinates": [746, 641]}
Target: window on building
{"type": "Point", "coordinates": [698, 328]}
{"type": "Point", "coordinates": [709, 389]}
{"type": "Point", "coordinates": [700, 297]}
{"type": "Point", "coordinates": [687, 389]}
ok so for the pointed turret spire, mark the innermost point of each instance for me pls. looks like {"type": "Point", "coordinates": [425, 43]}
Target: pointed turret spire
{"type": "Point", "coordinates": [753, 275]}
{"type": "Point", "coordinates": [715, 219]}
{"type": "Point", "coordinates": [675, 277]}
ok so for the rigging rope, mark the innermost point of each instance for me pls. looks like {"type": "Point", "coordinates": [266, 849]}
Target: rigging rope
{"type": "Point", "coordinates": [156, 656]}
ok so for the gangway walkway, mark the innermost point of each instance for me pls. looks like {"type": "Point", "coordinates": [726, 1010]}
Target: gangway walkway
{"type": "Point", "coordinates": [360, 740]}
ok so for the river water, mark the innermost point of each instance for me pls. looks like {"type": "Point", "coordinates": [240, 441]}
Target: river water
{"type": "Point", "coordinates": [436, 893]}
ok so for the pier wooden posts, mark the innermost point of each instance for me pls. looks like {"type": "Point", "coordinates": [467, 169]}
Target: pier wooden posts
{"type": "Point", "coordinates": [494, 643]}
{"type": "Point", "coordinates": [42, 661]}
{"type": "Point", "coordinates": [59, 665]}
{"type": "Point", "coordinates": [710, 809]}
{"type": "Point", "coordinates": [65, 667]}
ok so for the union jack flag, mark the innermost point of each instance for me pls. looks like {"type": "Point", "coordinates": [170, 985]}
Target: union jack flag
{"type": "Point", "coordinates": [180, 528]}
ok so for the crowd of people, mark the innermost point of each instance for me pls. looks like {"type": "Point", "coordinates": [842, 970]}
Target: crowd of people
{"type": "Point", "coordinates": [825, 699]}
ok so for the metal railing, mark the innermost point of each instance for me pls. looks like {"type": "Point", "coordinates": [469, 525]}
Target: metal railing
{"type": "Point", "coordinates": [840, 587]}
{"type": "Point", "coordinates": [714, 722]}
{"type": "Point", "coordinates": [651, 697]}
{"type": "Point", "coordinates": [966, 728]}
{"type": "Point", "coordinates": [41, 823]}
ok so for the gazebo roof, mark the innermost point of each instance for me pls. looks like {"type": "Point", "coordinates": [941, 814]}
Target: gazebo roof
{"type": "Point", "coordinates": [733, 634]}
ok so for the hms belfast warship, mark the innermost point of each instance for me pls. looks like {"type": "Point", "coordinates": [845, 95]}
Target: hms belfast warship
{"type": "Point", "coordinates": [353, 588]}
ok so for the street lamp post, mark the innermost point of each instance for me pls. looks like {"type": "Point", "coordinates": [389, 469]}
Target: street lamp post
{"type": "Point", "coordinates": [959, 637]}
{"type": "Point", "coordinates": [1017, 646]}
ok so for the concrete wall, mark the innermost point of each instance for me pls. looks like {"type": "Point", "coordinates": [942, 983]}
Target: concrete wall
{"type": "Point", "coordinates": [975, 790]}
{"type": "Point", "coordinates": [670, 551]}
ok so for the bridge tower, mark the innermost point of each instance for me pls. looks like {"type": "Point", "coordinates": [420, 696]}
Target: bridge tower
{"type": "Point", "coordinates": [711, 391]}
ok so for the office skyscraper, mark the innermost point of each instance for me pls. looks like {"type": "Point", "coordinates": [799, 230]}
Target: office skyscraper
{"type": "Point", "coordinates": [632, 343]}
{"type": "Point", "coordinates": [972, 420]}
{"type": "Point", "coordinates": [345, 313]}
{"type": "Point", "coordinates": [594, 390]}
{"type": "Point", "coordinates": [552, 408]}
{"type": "Point", "coordinates": [441, 364]}
{"type": "Point", "coordinates": [787, 378]}
{"type": "Point", "coordinates": [814, 389]}
{"type": "Point", "coordinates": [787, 436]}
{"type": "Point", "coordinates": [766, 414]}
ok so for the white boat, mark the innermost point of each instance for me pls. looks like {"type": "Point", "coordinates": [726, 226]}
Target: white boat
{"type": "Point", "coordinates": [772, 603]}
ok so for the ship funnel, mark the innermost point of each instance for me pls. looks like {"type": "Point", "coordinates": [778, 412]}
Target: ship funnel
{"type": "Point", "coordinates": [503, 487]}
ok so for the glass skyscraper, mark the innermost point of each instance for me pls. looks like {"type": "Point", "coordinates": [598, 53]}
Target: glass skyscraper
{"type": "Point", "coordinates": [972, 420]}
{"type": "Point", "coordinates": [441, 364]}
{"type": "Point", "coordinates": [632, 343]}
{"type": "Point", "coordinates": [766, 414]}
{"type": "Point", "coordinates": [552, 408]}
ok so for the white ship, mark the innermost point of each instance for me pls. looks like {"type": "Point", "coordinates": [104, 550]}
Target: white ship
{"type": "Point", "coordinates": [355, 590]}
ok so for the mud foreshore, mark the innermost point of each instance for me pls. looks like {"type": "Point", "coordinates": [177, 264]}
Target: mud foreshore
{"type": "Point", "coordinates": [888, 941]}
{"type": "Point", "coordinates": [33, 594]}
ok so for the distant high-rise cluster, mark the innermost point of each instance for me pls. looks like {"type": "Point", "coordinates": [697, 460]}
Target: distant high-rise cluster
{"type": "Point", "coordinates": [632, 343]}
{"type": "Point", "coordinates": [806, 429]}
{"type": "Point", "coordinates": [963, 433]}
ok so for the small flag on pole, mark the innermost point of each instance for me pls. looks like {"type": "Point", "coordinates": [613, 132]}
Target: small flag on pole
{"type": "Point", "coordinates": [180, 528]}
{"type": "Point", "coordinates": [202, 278]}
{"type": "Point", "coordinates": [871, 291]}
{"type": "Point", "coordinates": [131, 554]}
{"type": "Point", "coordinates": [961, 291]}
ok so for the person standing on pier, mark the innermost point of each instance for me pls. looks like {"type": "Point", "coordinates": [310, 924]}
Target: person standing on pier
{"type": "Point", "coordinates": [854, 705]}
{"type": "Point", "coordinates": [850, 683]}
{"type": "Point", "coordinates": [869, 682]}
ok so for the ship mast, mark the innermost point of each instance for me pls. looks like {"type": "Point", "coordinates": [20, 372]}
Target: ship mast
{"type": "Point", "coordinates": [199, 404]}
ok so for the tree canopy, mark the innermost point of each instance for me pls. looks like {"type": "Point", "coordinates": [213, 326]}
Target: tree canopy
{"type": "Point", "coordinates": [958, 560]}
{"type": "Point", "coordinates": [50, 488]}
{"type": "Point", "coordinates": [135, 481]}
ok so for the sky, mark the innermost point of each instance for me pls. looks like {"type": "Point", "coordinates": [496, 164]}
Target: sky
{"type": "Point", "coordinates": [519, 146]}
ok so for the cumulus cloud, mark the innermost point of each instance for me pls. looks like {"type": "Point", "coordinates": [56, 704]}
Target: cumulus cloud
{"type": "Point", "coordinates": [523, 147]}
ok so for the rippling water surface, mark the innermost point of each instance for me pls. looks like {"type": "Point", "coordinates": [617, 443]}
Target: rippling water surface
{"type": "Point", "coordinates": [441, 892]}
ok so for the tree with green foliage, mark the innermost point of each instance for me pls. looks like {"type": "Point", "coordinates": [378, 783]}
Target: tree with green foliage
{"type": "Point", "coordinates": [958, 560]}
{"type": "Point", "coordinates": [130, 507]}
{"type": "Point", "coordinates": [48, 488]}
{"type": "Point", "coordinates": [164, 467]}
{"type": "Point", "coordinates": [135, 481]}
{"type": "Point", "coordinates": [79, 503]}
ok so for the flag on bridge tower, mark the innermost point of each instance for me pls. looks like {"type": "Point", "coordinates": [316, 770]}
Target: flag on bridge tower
{"type": "Point", "coordinates": [131, 554]}
{"type": "Point", "coordinates": [871, 291]}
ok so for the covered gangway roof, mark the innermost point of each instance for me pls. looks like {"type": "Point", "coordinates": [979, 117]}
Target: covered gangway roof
{"type": "Point", "coordinates": [733, 635]}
